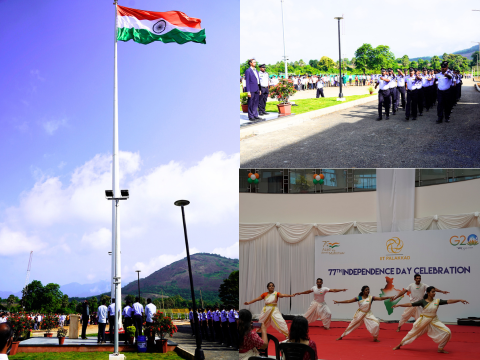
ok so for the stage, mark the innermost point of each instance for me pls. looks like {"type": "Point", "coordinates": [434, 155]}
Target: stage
{"type": "Point", "coordinates": [465, 343]}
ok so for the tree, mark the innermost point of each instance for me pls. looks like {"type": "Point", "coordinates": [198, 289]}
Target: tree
{"type": "Point", "coordinates": [11, 300]}
{"type": "Point", "coordinates": [421, 63]}
{"type": "Point", "coordinates": [301, 63]}
{"type": "Point", "coordinates": [475, 59]}
{"type": "Point", "coordinates": [313, 63]}
{"type": "Point", "coordinates": [93, 303]}
{"type": "Point", "coordinates": [64, 301]}
{"type": "Point", "coordinates": [51, 298]}
{"type": "Point", "coordinates": [325, 63]}
{"type": "Point", "coordinates": [414, 64]}
{"type": "Point", "coordinates": [435, 61]}
{"type": "Point", "coordinates": [228, 291]}
{"type": "Point", "coordinates": [107, 299]}
{"type": "Point", "coordinates": [32, 298]}
{"type": "Point", "coordinates": [405, 61]}
{"type": "Point", "coordinates": [362, 57]}
{"type": "Point", "coordinates": [130, 298]}
{"type": "Point", "coordinates": [381, 56]}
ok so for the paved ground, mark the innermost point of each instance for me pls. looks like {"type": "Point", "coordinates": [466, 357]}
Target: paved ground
{"type": "Point", "coordinates": [212, 350]}
{"type": "Point", "coordinates": [352, 138]}
{"type": "Point", "coordinates": [330, 92]}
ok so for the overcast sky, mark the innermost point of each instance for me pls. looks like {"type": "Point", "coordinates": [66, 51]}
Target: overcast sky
{"type": "Point", "coordinates": [56, 97]}
{"type": "Point", "coordinates": [311, 31]}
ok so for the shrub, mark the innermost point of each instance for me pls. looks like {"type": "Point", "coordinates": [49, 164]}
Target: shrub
{"type": "Point", "coordinates": [21, 324]}
{"type": "Point", "coordinates": [243, 98]}
{"type": "Point", "coordinates": [282, 91]}
{"type": "Point", "coordinates": [163, 325]}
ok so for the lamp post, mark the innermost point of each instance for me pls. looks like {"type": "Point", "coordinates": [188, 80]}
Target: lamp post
{"type": "Point", "coordinates": [112, 293]}
{"type": "Point", "coordinates": [138, 282]}
{"type": "Point", "coordinates": [476, 42]}
{"type": "Point", "coordinates": [284, 54]}
{"type": "Point", "coordinates": [198, 351]}
{"type": "Point", "coordinates": [340, 96]}
{"type": "Point", "coordinates": [110, 195]}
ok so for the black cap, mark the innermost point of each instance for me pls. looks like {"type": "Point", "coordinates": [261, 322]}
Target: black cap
{"type": "Point", "coordinates": [411, 69]}
{"type": "Point", "coordinates": [263, 65]}
{"type": "Point", "coordinates": [390, 69]}
{"type": "Point", "coordinates": [383, 69]}
{"type": "Point", "coordinates": [444, 64]}
{"type": "Point", "coordinates": [424, 69]}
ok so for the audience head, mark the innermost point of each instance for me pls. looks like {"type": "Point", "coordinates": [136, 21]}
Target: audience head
{"type": "Point", "coordinates": [149, 301]}
{"type": "Point", "coordinates": [244, 324]}
{"type": "Point", "coordinates": [298, 329]}
{"type": "Point", "coordinates": [6, 337]}
{"type": "Point", "coordinates": [104, 301]}
{"type": "Point", "coordinates": [137, 299]}
{"type": "Point", "coordinates": [113, 301]}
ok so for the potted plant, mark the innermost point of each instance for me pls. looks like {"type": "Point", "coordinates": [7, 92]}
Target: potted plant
{"type": "Point", "coordinates": [131, 333]}
{"type": "Point", "coordinates": [282, 92]}
{"type": "Point", "coordinates": [163, 325]}
{"type": "Point", "coordinates": [48, 323]}
{"type": "Point", "coordinates": [244, 101]}
{"type": "Point", "coordinates": [301, 184]}
{"type": "Point", "coordinates": [21, 323]}
{"type": "Point", "coordinates": [61, 333]}
{"type": "Point", "coordinates": [370, 90]}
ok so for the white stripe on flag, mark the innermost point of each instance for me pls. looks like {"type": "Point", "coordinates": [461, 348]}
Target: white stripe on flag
{"type": "Point", "coordinates": [133, 22]}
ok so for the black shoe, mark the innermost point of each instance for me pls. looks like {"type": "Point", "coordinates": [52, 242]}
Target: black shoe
{"type": "Point", "coordinates": [447, 119]}
{"type": "Point", "coordinates": [407, 118]}
{"type": "Point", "coordinates": [427, 109]}
{"type": "Point", "coordinates": [421, 114]}
{"type": "Point", "coordinates": [251, 119]}
{"type": "Point", "coordinates": [439, 121]}
{"type": "Point", "coordinates": [414, 118]}
{"type": "Point", "coordinates": [258, 118]}
{"type": "Point", "coordinates": [387, 117]}
{"type": "Point", "coordinates": [379, 118]}
{"type": "Point", "coordinates": [393, 112]}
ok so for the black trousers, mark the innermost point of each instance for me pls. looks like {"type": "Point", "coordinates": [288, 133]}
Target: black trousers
{"type": "Point", "coordinates": [393, 99]}
{"type": "Point", "coordinates": [111, 327]}
{"type": "Point", "coordinates": [192, 325]}
{"type": "Point", "coordinates": [233, 334]}
{"type": "Point", "coordinates": [226, 335]}
{"type": "Point", "coordinates": [401, 93]}
{"type": "Point", "coordinates": [383, 100]}
{"type": "Point", "coordinates": [204, 329]}
{"type": "Point", "coordinates": [459, 93]}
{"type": "Point", "coordinates": [320, 92]}
{"type": "Point", "coordinates": [218, 332]}
{"type": "Point", "coordinates": [434, 93]}
{"type": "Point", "coordinates": [262, 101]}
{"type": "Point", "coordinates": [84, 326]}
{"type": "Point", "coordinates": [253, 105]}
{"type": "Point", "coordinates": [137, 322]}
{"type": "Point", "coordinates": [444, 105]}
{"type": "Point", "coordinates": [412, 98]}
{"type": "Point", "coordinates": [101, 331]}
{"type": "Point", "coordinates": [420, 99]}
{"type": "Point", "coordinates": [453, 101]}
{"type": "Point", "coordinates": [211, 329]}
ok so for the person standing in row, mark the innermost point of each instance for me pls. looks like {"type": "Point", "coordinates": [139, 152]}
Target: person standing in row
{"type": "Point", "coordinates": [262, 102]}
{"type": "Point", "coordinates": [252, 79]}
{"type": "Point", "coordinates": [411, 84]}
{"type": "Point", "coordinates": [383, 95]}
{"type": "Point", "coordinates": [400, 88]}
{"type": "Point", "coordinates": [224, 318]}
{"type": "Point", "coordinates": [111, 320]}
{"type": "Point", "coordinates": [232, 325]}
{"type": "Point", "coordinates": [210, 323]}
{"type": "Point", "coordinates": [444, 106]}
{"type": "Point", "coordinates": [216, 325]}
{"type": "Point", "coordinates": [127, 316]}
{"type": "Point", "coordinates": [150, 310]}
{"type": "Point", "coordinates": [85, 317]}
{"type": "Point", "coordinates": [203, 315]}
{"type": "Point", "coordinates": [190, 317]}
{"type": "Point", "coordinates": [102, 313]}
{"type": "Point", "coordinates": [138, 317]}
{"type": "Point", "coordinates": [392, 86]}
{"type": "Point", "coordinates": [320, 85]}
{"type": "Point", "coordinates": [425, 90]}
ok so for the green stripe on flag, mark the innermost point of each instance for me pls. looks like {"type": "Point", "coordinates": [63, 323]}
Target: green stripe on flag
{"type": "Point", "coordinates": [143, 36]}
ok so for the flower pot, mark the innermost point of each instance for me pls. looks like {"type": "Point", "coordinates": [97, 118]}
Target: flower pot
{"type": "Point", "coordinates": [162, 345]}
{"type": "Point", "coordinates": [14, 348]}
{"type": "Point", "coordinates": [284, 109]}
{"type": "Point", "coordinates": [48, 335]}
{"type": "Point", "coordinates": [371, 92]}
{"type": "Point", "coordinates": [245, 108]}
{"type": "Point", "coordinates": [131, 339]}
{"type": "Point", "coordinates": [61, 340]}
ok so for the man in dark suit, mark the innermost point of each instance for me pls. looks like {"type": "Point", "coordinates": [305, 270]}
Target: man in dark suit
{"type": "Point", "coordinates": [85, 317]}
{"type": "Point", "coordinates": [253, 89]}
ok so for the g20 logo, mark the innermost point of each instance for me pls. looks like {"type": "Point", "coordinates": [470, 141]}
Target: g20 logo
{"type": "Point", "coordinates": [463, 240]}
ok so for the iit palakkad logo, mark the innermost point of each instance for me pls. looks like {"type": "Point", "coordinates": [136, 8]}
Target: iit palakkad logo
{"type": "Point", "coordinates": [394, 245]}
{"type": "Point", "coordinates": [159, 27]}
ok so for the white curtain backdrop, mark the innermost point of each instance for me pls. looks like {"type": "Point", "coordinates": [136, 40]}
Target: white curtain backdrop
{"type": "Point", "coordinates": [395, 199]}
{"type": "Point", "coordinates": [285, 255]}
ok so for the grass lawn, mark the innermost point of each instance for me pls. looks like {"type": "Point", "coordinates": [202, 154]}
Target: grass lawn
{"type": "Point", "coordinates": [306, 105]}
{"type": "Point", "coordinates": [94, 355]}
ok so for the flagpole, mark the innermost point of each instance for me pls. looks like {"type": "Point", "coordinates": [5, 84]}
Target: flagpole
{"type": "Point", "coordinates": [116, 194]}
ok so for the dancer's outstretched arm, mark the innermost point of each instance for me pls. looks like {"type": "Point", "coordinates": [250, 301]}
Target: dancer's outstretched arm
{"type": "Point", "coordinates": [254, 300]}
{"type": "Point", "coordinates": [455, 301]}
{"type": "Point", "coordinates": [304, 292]}
{"type": "Point", "coordinates": [284, 295]}
{"type": "Point", "coordinates": [378, 298]}
{"type": "Point", "coordinates": [345, 301]}
{"type": "Point", "coordinates": [403, 305]}
{"type": "Point", "coordinates": [337, 290]}
{"type": "Point", "coordinates": [400, 294]}
{"type": "Point", "coordinates": [440, 291]}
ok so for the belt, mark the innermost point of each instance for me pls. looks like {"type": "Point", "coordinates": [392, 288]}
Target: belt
{"type": "Point", "coordinates": [273, 305]}
{"type": "Point", "coordinates": [431, 317]}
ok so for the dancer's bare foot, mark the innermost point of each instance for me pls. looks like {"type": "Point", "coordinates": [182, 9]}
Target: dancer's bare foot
{"type": "Point", "coordinates": [376, 340]}
{"type": "Point", "coordinates": [326, 328]}
{"type": "Point", "coordinates": [340, 338]}
{"type": "Point", "coordinates": [397, 347]}
{"type": "Point", "coordinates": [442, 351]}
{"type": "Point", "coordinates": [398, 329]}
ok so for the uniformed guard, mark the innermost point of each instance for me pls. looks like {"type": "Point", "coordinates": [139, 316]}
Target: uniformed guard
{"type": "Point", "coordinates": [383, 95]}
{"type": "Point", "coordinates": [443, 94]}
{"type": "Point", "coordinates": [401, 87]}
{"type": "Point", "coordinates": [392, 86]}
{"type": "Point", "coordinates": [459, 84]}
{"type": "Point", "coordinates": [320, 85]}
{"type": "Point", "coordinates": [411, 84]}
{"type": "Point", "coordinates": [420, 92]}
{"type": "Point", "coordinates": [426, 90]}
{"type": "Point", "coordinates": [262, 102]}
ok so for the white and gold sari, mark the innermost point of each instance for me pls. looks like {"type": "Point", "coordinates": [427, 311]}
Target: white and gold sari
{"type": "Point", "coordinates": [272, 316]}
{"type": "Point", "coordinates": [428, 323]}
{"type": "Point", "coordinates": [365, 315]}
{"type": "Point", "coordinates": [319, 311]}
{"type": "Point", "coordinates": [414, 311]}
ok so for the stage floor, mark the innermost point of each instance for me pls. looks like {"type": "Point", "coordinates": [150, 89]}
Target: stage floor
{"type": "Point", "coordinates": [465, 343]}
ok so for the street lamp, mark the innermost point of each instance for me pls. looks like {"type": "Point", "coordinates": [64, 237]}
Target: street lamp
{"type": "Point", "coordinates": [138, 282]}
{"type": "Point", "coordinates": [340, 96]}
{"type": "Point", "coordinates": [284, 55]}
{"type": "Point", "coordinates": [112, 292]}
{"type": "Point", "coordinates": [109, 195]}
{"type": "Point", "coordinates": [198, 351]}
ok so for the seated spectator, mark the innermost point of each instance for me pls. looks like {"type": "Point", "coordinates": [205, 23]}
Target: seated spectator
{"type": "Point", "coordinates": [6, 339]}
{"type": "Point", "coordinates": [250, 342]}
{"type": "Point", "coordinates": [299, 334]}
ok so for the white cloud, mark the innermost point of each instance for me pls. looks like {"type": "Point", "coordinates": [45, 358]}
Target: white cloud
{"type": "Point", "coordinates": [15, 242]}
{"type": "Point", "coordinates": [36, 74]}
{"type": "Point", "coordinates": [230, 252]}
{"type": "Point", "coordinates": [62, 164]}
{"type": "Point", "coordinates": [99, 239]}
{"type": "Point", "coordinates": [91, 276]}
{"type": "Point", "coordinates": [53, 125]}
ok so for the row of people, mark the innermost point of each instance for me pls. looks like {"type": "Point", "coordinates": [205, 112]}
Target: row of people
{"type": "Point", "coordinates": [217, 324]}
{"type": "Point", "coordinates": [419, 90]}
{"type": "Point", "coordinates": [421, 295]}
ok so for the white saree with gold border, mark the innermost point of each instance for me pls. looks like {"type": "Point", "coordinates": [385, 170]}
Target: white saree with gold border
{"type": "Point", "coordinates": [319, 311]}
{"type": "Point", "coordinates": [272, 316]}
{"type": "Point", "coordinates": [364, 315]}
{"type": "Point", "coordinates": [428, 323]}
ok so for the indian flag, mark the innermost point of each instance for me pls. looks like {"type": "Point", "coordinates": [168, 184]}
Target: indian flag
{"type": "Point", "coordinates": [145, 27]}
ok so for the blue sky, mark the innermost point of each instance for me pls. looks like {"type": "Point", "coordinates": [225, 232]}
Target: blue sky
{"type": "Point", "coordinates": [56, 96]}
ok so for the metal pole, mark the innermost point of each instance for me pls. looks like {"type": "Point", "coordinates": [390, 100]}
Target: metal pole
{"type": "Point", "coordinates": [284, 53]}
{"type": "Point", "coordinates": [340, 60]}
{"type": "Point", "coordinates": [138, 282]}
{"type": "Point", "coordinates": [118, 299]}
{"type": "Point", "coordinates": [198, 337]}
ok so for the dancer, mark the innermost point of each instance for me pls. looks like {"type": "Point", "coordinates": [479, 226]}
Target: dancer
{"type": "Point", "coordinates": [428, 321]}
{"type": "Point", "coordinates": [416, 291]}
{"type": "Point", "coordinates": [318, 308]}
{"type": "Point", "coordinates": [364, 314]}
{"type": "Point", "coordinates": [270, 314]}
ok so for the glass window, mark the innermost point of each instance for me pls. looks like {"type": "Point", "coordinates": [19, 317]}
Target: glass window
{"type": "Point", "coordinates": [365, 179]}
{"type": "Point", "coordinates": [271, 181]}
{"type": "Point", "coordinates": [433, 176]}
{"type": "Point", "coordinates": [335, 181]}
{"type": "Point", "coordinates": [301, 181]}
{"type": "Point", "coordinates": [244, 185]}
{"type": "Point", "coordinates": [465, 174]}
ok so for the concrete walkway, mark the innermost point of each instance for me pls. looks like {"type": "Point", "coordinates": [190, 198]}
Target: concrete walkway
{"type": "Point", "coordinates": [352, 138]}
{"type": "Point", "coordinates": [331, 92]}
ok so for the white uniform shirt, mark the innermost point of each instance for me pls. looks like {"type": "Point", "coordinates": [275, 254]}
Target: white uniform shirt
{"type": "Point", "coordinates": [401, 80]}
{"type": "Point", "coordinates": [137, 309]}
{"type": "Point", "coordinates": [319, 294]}
{"type": "Point", "coordinates": [320, 84]}
{"type": "Point", "coordinates": [410, 80]}
{"type": "Point", "coordinates": [102, 314]}
{"type": "Point", "coordinates": [383, 85]}
{"type": "Point", "coordinates": [393, 81]}
{"type": "Point", "coordinates": [444, 83]}
{"type": "Point", "coordinates": [425, 80]}
{"type": "Point", "coordinates": [150, 310]}
{"type": "Point", "coordinates": [263, 78]}
{"type": "Point", "coordinates": [417, 292]}
{"type": "Point", "coordinates": [111, 310]}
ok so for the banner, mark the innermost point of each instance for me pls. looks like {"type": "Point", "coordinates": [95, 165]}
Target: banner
{"type": "Point", "coordinates": [387, 263]}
